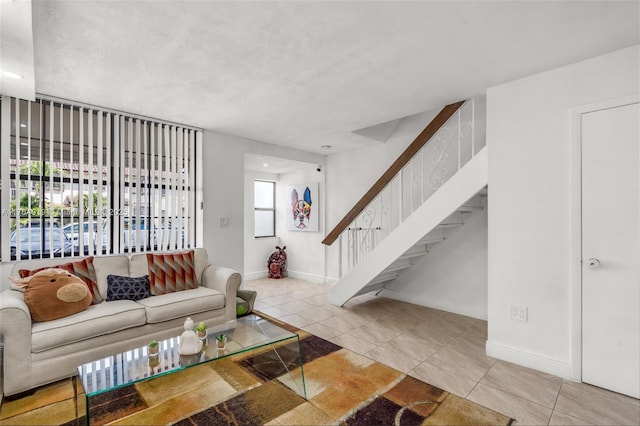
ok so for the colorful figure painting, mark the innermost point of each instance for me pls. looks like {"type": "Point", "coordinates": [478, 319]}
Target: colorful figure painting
{"type": "Point", "coordinates": [304, 207]}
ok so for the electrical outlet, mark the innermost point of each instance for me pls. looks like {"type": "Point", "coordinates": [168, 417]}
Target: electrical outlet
{"type": "Point", "coordinates": [224, 222]}
{"type": "Point", "coordinates": [518, 313]}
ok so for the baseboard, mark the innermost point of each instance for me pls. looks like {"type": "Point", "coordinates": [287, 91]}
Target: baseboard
{"type": "Point", "coordinates": [442, 305]}
{"type": "Point", "coordinates": [527, 359]}
{"type": "Point", "coordinates": [331, 280]}
{"type": "Point", "coordinates": [312, 278]}
{"type": "Point", "coordinates": [248, 276]}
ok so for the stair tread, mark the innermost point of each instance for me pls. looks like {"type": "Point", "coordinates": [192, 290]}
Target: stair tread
{"type": "Point", "coordinates": [376, 281]}
{"type": "Point", "coordinates": [449, 225]}
{"type": "Point", "coordinates": [395, 268]}
{"type": "Point", "coordinates": [469, 208]}
{"type": "Point", "coordinates": [412, 255]}
{"type": "Point", "coordinates": [431, 240]}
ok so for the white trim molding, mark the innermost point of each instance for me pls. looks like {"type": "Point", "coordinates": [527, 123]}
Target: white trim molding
{"type": "Point", "coordinates": [575, 272]}
{"type": "Point", "coordinates": [548, 365]}
{"type": "Point", "coordinates": [312, 278]}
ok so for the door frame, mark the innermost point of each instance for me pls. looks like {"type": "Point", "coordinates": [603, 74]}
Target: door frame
{"type": "Point", "coordinates": [575, 270]}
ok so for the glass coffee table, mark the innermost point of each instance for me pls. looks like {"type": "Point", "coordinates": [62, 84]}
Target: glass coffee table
{"type": "Point", "coordinates": [251, 333]}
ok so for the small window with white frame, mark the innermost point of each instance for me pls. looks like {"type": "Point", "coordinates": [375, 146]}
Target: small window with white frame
{"type": "Point", "coordinates": [265, 208]}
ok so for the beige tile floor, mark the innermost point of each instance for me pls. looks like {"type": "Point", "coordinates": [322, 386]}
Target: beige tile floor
{"type": "Point", "coordinates": [445, 350]}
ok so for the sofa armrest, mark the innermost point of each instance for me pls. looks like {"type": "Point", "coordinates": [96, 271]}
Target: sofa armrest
{"type": "Point", "coordinates": [248, 296]}
{"type": "Point", "coordinates": [15, 328]}
{"type": "Point", "coordinates": [227, 281]}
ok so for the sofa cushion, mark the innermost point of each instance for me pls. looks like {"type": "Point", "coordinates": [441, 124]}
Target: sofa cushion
{"type": "Point", "coordinates": [110, 265]}
{"type": "Point", "coordinates": [96, 320]}
{"type": "Point", "coordinates": [138, 265]}
{"type": "Point", "coordinates": [181, 304]}
{"type": "Point", "coordinates": [127, 288]}
{"type": "Point", "coordinates": [82, 268]}
{"type": "Point", "coordinates": [172, 272]}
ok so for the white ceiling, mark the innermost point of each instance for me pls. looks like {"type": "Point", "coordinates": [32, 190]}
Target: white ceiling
{"type": "Point", "coordinates": [307, 74]}
{"type": "Point", "coordinates": [276, 165]}
{"type": "Point", "coordinates": [16, 49]}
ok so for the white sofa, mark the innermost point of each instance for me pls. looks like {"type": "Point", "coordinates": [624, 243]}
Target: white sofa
{"type": "Point", "coordinates": [36, 353]}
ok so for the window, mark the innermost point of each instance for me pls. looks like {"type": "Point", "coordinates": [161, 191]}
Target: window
{"type": "Point", "coordinates": [265, 208]}
{"type": "Point", "coordinates": [83, 180]}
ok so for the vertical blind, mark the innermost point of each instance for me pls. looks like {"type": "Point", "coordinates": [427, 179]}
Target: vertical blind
{"type": "Point", "coordinates": [83, 180]}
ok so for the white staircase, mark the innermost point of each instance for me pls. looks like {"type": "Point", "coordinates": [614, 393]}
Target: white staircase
{"type": "Point", "coordinates": [435, 236]}
{"type": "Point", "coordinates": [436, 219]}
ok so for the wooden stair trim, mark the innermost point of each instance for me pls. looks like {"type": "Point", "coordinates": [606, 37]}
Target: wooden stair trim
{"type": "Point", "coordinates": [406, 156]}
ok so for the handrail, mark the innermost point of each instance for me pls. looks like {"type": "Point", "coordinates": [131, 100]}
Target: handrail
{"type": "Point", "coordinates": [420, 141]}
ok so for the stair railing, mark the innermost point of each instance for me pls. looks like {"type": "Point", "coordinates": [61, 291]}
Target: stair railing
{"type": "Point", "coordinates": [360, 242]}
{"type": "Point", "coordinates": [438, 152]}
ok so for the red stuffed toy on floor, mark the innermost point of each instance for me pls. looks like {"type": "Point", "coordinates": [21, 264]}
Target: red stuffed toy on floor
{"type": "Point", "coordinates": [277, 263]}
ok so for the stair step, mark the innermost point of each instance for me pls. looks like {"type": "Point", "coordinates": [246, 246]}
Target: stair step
{"type": "Point", "coordinates": [469, 209]}
{"type": "Point", "coordinates": [382, 278]}
{"type": "Point", "coordinates": [415, 251]}
{"type": "Point", "coordinates": [449, 225]}
{"type": "Point", "coordinates": [431, 240]}
{"type": "Point", "coordinates": [366, 290]}
{"type": "Point", "coordinates": [455, 217]}
{"type": "Point", "coordinates": [397, 268]}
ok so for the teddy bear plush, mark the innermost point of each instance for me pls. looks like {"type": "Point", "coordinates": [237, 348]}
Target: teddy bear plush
{"type": "Point", "coordinates": [54, 293]}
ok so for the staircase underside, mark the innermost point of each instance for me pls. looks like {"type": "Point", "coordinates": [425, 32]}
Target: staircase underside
{"type": "Point", "coordinates": [431, 223]}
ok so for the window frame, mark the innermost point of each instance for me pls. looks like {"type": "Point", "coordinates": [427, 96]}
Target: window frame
{"type": "Point", "coordinates": [63, 167]}
{"type": "Point", "coordinates": [263, 209]}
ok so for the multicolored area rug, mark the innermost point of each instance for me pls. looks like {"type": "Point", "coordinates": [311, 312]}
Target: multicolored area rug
{"type": "Point", "coordinates": [254, 388]}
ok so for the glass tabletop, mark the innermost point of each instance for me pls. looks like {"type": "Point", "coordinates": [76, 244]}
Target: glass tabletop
{"type": "Point", "coordinates": [123, 369]}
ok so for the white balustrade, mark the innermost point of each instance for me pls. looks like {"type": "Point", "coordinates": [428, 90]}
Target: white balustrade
{"type": "Point", "coordinates": [440, 158]}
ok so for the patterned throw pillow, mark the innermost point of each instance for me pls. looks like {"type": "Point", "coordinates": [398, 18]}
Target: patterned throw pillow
{"type": "Point", "coordinates": [170, 273]}
{"type": "Point", "coordinates": [82, 268]}
{"type": "Point", "coordinates": [127, 288]}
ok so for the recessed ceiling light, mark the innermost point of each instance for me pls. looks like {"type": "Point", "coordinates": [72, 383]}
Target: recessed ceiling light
{"type": "Point", "coordinates": [12, 75]}
{"type": "Point", "coordinates": [23, 125]}
{"type": "Point", "coordinates": [265, 165]}
{"type": "Point", "coordinates": [326, 147]}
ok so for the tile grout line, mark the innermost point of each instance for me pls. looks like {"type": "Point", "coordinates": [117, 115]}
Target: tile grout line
{"type": "Point", "coordinates": [555, 403]}
{"type": "Point", "coordinates": [478, 382]}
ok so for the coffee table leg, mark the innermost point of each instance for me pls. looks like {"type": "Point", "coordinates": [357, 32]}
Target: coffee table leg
{"type": "Point", "coordinates": [304, 385]}
{"type": "Point", "coordinates": [74, 383]}
{"type": "Point", "coordinates": [76, 389]}
{"type": "Point", "coordinates": [301, 388]}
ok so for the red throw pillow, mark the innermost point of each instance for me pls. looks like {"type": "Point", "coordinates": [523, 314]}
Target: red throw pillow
{"type": "Point", "coordinates": [170, 273]}
{"type": "Point", "coordinates": [82, 268]}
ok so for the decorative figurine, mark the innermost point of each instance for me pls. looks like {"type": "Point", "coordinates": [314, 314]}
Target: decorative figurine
{"type": "Point", "coordinates": [277, 263]}
{"type": "Point", "coordinates": [189, 342]}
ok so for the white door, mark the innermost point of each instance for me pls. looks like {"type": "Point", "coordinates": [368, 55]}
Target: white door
{"type": "Point", "coordinates": [611, 249]}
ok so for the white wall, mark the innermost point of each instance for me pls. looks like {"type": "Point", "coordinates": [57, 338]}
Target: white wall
{"type": "Point", "coordinates": [529, 141]}
{"type": "Point", "coordinates": [305, 251]}
{"type": "Point", "coordinates": [256, 250]}
{"type": "Point", "coordinates": [223, 192]}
